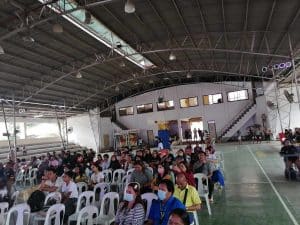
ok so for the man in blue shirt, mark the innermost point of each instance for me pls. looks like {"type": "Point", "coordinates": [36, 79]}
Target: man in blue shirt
{"type": "Point", "coordinates": [160, 209]}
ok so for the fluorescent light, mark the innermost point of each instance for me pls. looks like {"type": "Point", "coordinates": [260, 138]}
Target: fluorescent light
{"type": "Point", "coordinates": [78, 75]}
{"type": "Point", "coordinates": [189, 75]}
{"type": "Point", "coordinates": [38, 116]}
{"type": "Point", "coordinates": [172, 56]}
{"type": "Point", "coordinates": [1, 50]}
{"type": "Point", "coordinates": [98, 31]}
{"type": "Point", "coordinates": [129, 6]}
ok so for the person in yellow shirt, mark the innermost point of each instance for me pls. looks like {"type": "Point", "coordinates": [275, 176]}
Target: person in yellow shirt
{"type": "Point", "coordinates": [187, 194]}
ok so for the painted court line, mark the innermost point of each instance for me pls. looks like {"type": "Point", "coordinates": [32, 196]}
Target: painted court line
{"type": "Point", "coordinates": [274, 189]}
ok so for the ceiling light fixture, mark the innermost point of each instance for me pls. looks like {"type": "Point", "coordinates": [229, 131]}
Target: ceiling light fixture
{"type": "Point", "coordinates": [28, 38]}
{"type": "Point", "coordinates": [129, 6]}
{"type": "Point", "coordinates": [117, 89]}
{"type": "Point", "coordinates": [189, 75]}
{"type": "Point", "coordinates": [78, 75]}
{"type": "Point", "coordinates": [151, 81]}
{"type": "Point", "coordinates": [172, 56]}
{"type": "Point", "coordinates": [1, 50]}
{"type": "Point", "coordinates": [57, 28]}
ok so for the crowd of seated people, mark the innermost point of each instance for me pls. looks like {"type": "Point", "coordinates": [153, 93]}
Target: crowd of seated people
{"type": "Point", "coordinates": [170, 175]}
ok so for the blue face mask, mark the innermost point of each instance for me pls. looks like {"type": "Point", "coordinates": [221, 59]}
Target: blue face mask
{"type": "Point", "coordinates": [161, 195]}
{"type": "Point", "coordinates": [128, 197]}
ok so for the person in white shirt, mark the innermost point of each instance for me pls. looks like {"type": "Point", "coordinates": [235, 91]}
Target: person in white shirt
{"type": "Point", "coordinates": [69, 188]}
{"type": "Point", "coordinates": [50, 182]}
{"type": "Point", "coordinates": [97, 176]}
{"type": "Point", "coordinates": [69, 194]}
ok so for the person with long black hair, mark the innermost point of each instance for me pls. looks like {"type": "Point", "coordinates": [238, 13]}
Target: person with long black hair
{"type": "Point", "coordinates": [131, 211]}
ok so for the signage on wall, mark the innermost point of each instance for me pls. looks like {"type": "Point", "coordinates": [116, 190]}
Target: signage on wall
{"type": "Point", "coordinates": [278, 66]}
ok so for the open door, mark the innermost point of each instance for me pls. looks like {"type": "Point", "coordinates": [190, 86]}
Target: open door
{"type": "Point", "coordinates": [212, 129]}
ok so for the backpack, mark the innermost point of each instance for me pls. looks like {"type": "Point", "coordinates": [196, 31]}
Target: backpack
{"type": "Point", "coordinates": [36, 201]}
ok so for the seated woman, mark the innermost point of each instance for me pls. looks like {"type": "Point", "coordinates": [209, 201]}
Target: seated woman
{"type": "Point", "coordinates": [79, 175]}
{"type": "Point", "coordinates": [163, 172]}
{"type": "Point", "coordinates": [131, 211]}
{"type": "Point", "coordinates": [97, 176]}
{"type": "Point", "coordinates": [143, 176]}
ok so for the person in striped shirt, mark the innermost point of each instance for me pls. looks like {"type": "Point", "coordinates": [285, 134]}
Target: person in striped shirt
{"type": "Point", "coordinates": [131, 211]}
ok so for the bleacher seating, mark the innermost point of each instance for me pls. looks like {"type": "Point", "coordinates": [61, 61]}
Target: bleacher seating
{"type": "Point", "coordinates": [38, 150]}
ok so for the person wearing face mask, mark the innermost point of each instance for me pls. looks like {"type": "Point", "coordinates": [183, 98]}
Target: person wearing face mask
{"type": "Point", "coordinates": [187, 194]}
{"type": "Point", "coordinates": [162, 173]}
{"type": "Point", "coordinates": [131, 211]}
{"type": "Point", "coordinates": [161, 209]}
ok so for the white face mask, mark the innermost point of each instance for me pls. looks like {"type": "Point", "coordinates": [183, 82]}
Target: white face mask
{"type": "Point", "coordinates": [128, 197]}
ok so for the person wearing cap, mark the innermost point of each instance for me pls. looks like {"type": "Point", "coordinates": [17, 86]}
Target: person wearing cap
{"type": "Point", "coordinates": [131, 210]}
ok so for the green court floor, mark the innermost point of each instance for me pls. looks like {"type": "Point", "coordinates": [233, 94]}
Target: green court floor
{"type": "Point", "coordinates": [256, 191]}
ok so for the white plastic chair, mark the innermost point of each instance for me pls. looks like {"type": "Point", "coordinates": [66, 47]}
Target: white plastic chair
{"type": "Point", "coordinates": [3, 193]}
{"type": "Point", "coordinates": [20, 177]}
{"type": "Point", "coordinates": [124, 182]}
{"type": "Point", "coordinates": [53, 195]}
{"type": "Point", "coordinates": [196, 219]}
{"type": "Point", "coordinates": [3, 210]}
{"type": "Point", "coordinates": [18, 214]}
{"type": "Point", "coordinates": [107, 175]}
{"type": "Point", "coordinates": [202, 189]}
{"type": "Point", "coordinates": [148, 197]}
{"type": "Point", "coordinates": [99, 191]}
{"type": "Point", "coordinates": [81, 187]}
{"type": "Point", "coordinates": [14, 197]}
{"type": "Point", "coordinates": [150, 168]}
{"type": "Point", "coordinates": [129, 172]}
{"type": "Point", "coordinates": [117, 176]}
{"type": "Point", "coordinates": [107, 218]}
{"type": "Point", "coordinates": [32, 176]}
{"type": "Point", "coordinates": [85, 198]}
{"type": "Point", "coordinates": [87, 215]}
{"type": "Point", "coordinates": [54, 213]}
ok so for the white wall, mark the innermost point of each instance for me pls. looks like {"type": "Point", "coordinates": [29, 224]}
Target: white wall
{"type": "Point", "coordinates": [82, 133]}
{"type": "Point", "coordinates": [289, 113]}
{"type": "Point", "coordinates": [221, 113]}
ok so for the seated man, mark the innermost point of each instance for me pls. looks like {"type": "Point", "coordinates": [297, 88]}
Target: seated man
{"type": "Point", "coordinates": [290, 154]}
{"type": "Point", "coordinates": [160, 209]}
{"type": "Point", "coordinates": [205, 167]}
{"type": "Point", "coordinates": [187, 194]}
{"type": "Point", "coordinates": [50, 182]}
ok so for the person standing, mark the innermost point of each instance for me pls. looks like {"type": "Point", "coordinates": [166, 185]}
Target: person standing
{"type": "Point", "coordinates": [195, 131]}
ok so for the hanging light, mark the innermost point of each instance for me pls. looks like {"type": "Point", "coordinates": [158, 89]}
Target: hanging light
{"type": "Point", "coordinates": [151, 81]}
{"type": "Point", "coordinates": [57, 28]}
{"type": "Point", "coordinates": [172, 56]}
{"type": "Point", "coordinates": [122, 64]}
{"type": "Point", "coordinates": [28, 38]}
{"type": "Point", "coordinates": [117, 89]}
{"type": "Point", "coordinates": [1, 50]}
{"type": "Point", "coordinates": [78, 75]}
{"type": "Point", "coordinates": [189, 75]}
{"type": "Point", "coordinates": [129, 6]}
